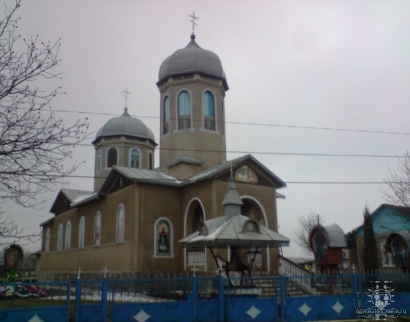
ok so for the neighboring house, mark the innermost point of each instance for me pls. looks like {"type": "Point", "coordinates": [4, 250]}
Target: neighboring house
{"type": "Point", "coordinates": [134, 217]}
{"type": "Point", "coordinates": [391, 225]}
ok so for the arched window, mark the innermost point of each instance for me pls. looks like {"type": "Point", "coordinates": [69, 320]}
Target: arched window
{"type": "Point", "coordinates": [60, 237]}
{"type": "Point", "coordinates": [120, 224]}
{"type": "Point", "coordinates": [184, 111]}
{"type": "Point", "coordinates": [81, 230]}
{"type": "Point", "coordinates": [150, 161]}
{"type": "Point", "coordinates": [47, 246]}
{"type": "Point", "coordinates": [163, 237]}
{"type": "Point", "coordinates": [208, 108]}
{"type": "Point", "coordinates": [67, 243]}
{"type": "Point", "coordinates": [166, 116]}
{"type": "Point", "coordinates": [135, 157]}
{"type": "Point", "coordinates": [112, 157]}
{"type": "Point", "coordinates": [99, 161]}
{"type": "Point", "coordinates": [97, 229]}
{"type": "Point", "coordinates": [223, 116]}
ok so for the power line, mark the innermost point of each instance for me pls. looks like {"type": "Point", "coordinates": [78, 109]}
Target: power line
{"type": "Point", "coordinates": [264, 152]}
{"type": "Point", "coordinates": [287, 182]}
{"type": "Point", "coordinates": [255, 124]}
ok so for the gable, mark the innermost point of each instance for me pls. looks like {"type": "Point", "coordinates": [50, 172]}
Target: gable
{"type": "Point", "coordinates": [386, 219]}
{"type": "Point", "coordinates": [114, 183]}
{"type": "Point", "coordinates": [61, 204]}
{"type": "Point", "coordinates": [245, 169]}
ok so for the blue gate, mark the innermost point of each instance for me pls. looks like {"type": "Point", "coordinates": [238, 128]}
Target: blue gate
{"type": "Point", "coordinates": [201, 299]}
{"type": "Point", "coordinates": [252, 299]}
{"type": "Point", "coordinates": [165, 300]}
{"type": "Point", "coordinates": [35, 301]}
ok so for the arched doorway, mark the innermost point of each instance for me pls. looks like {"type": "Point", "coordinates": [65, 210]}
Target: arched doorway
{"type": "Point", "coordinates": [253, 209]}
{"type": "Point", "coordinates": [194, 215]}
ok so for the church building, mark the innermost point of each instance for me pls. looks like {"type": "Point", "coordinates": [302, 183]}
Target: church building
{"type": "Point", "coordinates": [136, 214]}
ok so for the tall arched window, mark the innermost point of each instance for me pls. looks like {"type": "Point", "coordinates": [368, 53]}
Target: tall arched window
{"type": "Point", "coordinates": [98, 165]}
{"type": "Point", "coordinates": [67, 243]}
{"type": "Point", "coordinates": [208, 108]}
{"type": "Point", "coordinates": [166, 116]}
{"type": "Point", "coordinates": [120, 224]}
{"type": "Point", "coordinates": [60, 237]}
{"type": "Point", "coordinates": [112, 157]}
{"type": "Point", "coordinates": [47, 246]}
{"type": "Point", "coordinates": [223, 116]}
{"type": "Point", "coordinates": [81, 230]}
{"type": "Point", "coordinates": [135, 157]}
{"type": "Point", "coordinates": [150, 161]}
{"type": "Point", "coordinates": [97, 229]}
{"type": "Point", "coordinates": [184, 111]}
{"type": "Point", "coordinates": [163, 235]}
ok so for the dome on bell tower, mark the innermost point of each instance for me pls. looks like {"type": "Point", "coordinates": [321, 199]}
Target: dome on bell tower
{"type": "Point", "coordinates": [192, 59]}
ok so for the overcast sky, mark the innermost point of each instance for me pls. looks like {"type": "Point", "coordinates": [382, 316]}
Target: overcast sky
{"type": "Point", "coordinates": [289, 65]}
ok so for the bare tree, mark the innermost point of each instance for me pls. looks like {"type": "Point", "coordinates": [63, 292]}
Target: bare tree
{"type": "Point", "coordinates": [399, 183]}
{"type": "Point", "coordinates": [305, 226]}
{"type": "Point", "coordinates": [34, 144]}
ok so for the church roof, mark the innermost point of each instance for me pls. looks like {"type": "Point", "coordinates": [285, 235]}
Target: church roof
{"type": "Point", "coordinates": [152, 176]}
{"type": "Point", "coordinates": [125, 125]}
{"type": "Point", "coordinates": [223, 231]}
{"type": "Point", "coordinates": [185, 159]}
{"type": "Point", "coordinates": [192, 59]}
{"type": "Point", "coordinates": [74, 196]}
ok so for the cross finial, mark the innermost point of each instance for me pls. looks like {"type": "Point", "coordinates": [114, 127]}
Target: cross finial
{"type": "Point", "coordinates": [126, 92]}
{"type": "Point", "coordinates": [194, 270]}
{"type": "Point", "coordinates": [193, 18]}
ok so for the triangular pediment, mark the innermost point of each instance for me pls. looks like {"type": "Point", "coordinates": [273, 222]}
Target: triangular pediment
{"type": "Point", "coordinates": [245, 169]}
{"type": "Point", "coordinates": [69, 198]}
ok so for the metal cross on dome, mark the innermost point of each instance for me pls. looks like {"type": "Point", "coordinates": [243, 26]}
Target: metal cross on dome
{"type": "Point", "coordinates": [126, 92]}
{"type": "Point", "coordinates": [193, 18]}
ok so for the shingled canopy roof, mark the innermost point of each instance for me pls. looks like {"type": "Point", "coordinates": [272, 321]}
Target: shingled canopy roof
{"type": "Point", "coordinates": [234, 229]}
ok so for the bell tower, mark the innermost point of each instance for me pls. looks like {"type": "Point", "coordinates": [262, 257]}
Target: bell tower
{"type": "Point", "coordinates": [192, 84]}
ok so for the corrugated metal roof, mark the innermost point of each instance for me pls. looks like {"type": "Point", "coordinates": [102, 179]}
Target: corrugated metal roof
{"type": "Point", "coordinates": [152, 176]}
{"type": "Point", "coordinates": [231, 232]}
{"type": "Point", "coordinates": [73, 194]}
{"type": "Point", "coordinates": [336, 236]}
{"type": "Point", "coordinates": [185, 159]}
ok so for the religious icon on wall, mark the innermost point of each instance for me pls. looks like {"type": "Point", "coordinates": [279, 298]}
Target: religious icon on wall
{"type": "Point", "coordinates": [163, 238]}
{"type": "Point", "coordinates": [246, 174]}
{"type": "Point", "coordinates": [13, 255]}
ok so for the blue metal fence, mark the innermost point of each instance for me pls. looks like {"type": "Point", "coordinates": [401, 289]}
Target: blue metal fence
{"type": "Point", "coordinates": [200, 299]}
{"type": "Point", "coordinates": [35, 301]}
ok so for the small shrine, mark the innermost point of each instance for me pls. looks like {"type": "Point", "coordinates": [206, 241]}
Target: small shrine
{"type": "Point", "coordinates": [236, 232]}
{"type": "Point", "coordinates": [327, 244]}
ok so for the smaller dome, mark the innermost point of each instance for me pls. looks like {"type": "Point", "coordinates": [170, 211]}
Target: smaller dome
{"type": "Point", "coordinates": [192, 59]}
{"type": "Point", "coordinates": [125, 125]}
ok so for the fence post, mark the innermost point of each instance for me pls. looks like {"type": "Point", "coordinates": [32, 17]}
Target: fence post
{"type": "Point", "coordinates": [283, 298]}
{"type": "Point", "coordinates": [104, 290]}
{"type": "Point", "coordinates": [355, 290]}
{"type": "Point", "coordinates": [221, 297]}
{"type": "Point", "coordinates": [194, 298]}
{"type": "Point", "coordinates": [77, 302]}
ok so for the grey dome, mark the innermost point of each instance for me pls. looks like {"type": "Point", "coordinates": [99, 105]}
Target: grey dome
{"type": "Point", "coordinates": [125, 125]}
{"type": "Point", "coordinates": [192, 59]}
